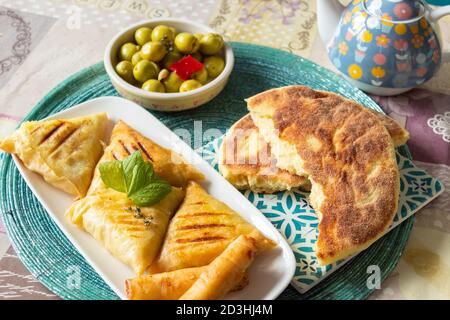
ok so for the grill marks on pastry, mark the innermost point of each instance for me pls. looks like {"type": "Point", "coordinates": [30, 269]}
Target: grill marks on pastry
{"type": "Point", "coordinates": [204, 226]}
{"type": "Point", "coordinates": [147, 154]}
{"type": "Point", "coordinates": [198, 203]}
{"type": "Point", "coordinates": [133, 147]}
{"type": "Point", "coordinates": [125, 148]}
{"type": "Point", "coordinates": [134, 227]}
{"type": "Point", "coordinates": [201, 239]}
{"type": "Point", "coordinates": [58, 136]}
{"type": "Point", "coordinates": [49, 133]}
{"type": "Point", "coordinates": [205, 230]}
{"type": "Point", "coordinates": [203, 214]}
{"type": "Point", "coordinates": [63, 139]}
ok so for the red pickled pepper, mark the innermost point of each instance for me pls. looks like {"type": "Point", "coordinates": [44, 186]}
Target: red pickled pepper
{"type": "Point", "coordinates": [186, 66]}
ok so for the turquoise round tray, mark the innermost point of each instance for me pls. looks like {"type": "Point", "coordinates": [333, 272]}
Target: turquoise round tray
{"type": "Point", "coordinates": [49, 255]}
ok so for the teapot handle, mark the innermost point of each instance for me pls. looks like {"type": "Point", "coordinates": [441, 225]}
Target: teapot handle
{"type": "Point", "coordinates": [436, 14]}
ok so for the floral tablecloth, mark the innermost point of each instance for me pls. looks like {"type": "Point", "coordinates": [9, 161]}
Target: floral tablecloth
{"type": "Point", "coordinates": [43, 42]}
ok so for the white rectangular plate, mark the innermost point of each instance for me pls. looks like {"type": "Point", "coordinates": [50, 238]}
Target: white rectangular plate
{"type": "Point", "coordinates": [269, 274]}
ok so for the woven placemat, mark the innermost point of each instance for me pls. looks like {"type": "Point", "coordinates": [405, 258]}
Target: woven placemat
{"type": "Point", "coordinates": [52, 259]}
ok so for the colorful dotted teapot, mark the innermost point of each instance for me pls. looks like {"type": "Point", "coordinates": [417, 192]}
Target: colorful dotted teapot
{"type": "Point", "coordinates": [384, 47]}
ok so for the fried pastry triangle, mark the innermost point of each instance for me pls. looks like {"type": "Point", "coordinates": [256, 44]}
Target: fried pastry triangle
{"type": "Point", "coordinates": [167, 164]}
{"type": "Point", "coordinates": [200, 231]}
{"type": "Point", "coordinates": [133, 235]}
{"type": "Point", "coordinates": [63, 151]}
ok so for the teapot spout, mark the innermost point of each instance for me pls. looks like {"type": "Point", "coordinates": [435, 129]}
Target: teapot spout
{"type": "Point", "coordinates": [328, 15]}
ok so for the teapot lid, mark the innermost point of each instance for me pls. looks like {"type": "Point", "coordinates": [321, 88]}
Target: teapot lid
{"type": "Point", "coordinates": [394, 10]}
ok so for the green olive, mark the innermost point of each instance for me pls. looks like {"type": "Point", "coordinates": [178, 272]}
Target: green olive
{"type": "Point", "coordinates": [162, 32]}
{"type": "Point", "coordinates": [189, 85]}
{"type": "Point", "coordinates": [145, 70]}
{"type": "Point", "coordinates": [197, 55]}
{"type": "Point", "coordinates": [172, 82]}
{"type": "Point", "coordinates": [153, 85]}
{"type": "Point", "coordinates": [186, 42]}
{"type": "Point", "coordinates": [214, 65]}
{"type": "Point", "coordinates": [125, 70]}
{"type": "Point", "coordinates": [143, 35]}
{"type": "Point", "coordinates": [136, 58]}
{"type": "Point", "coordinates": [153, 51]}
{"type": "Point", "coordinates": [127, 50]}
{"type": "Point", "coordinates": [199, 36]}
{"type": "Point", "coordinates": [171, 58]}
{"type": "Point", "coordinates": [201, 76]}
{"type": "Point", "coordinates": [211, 44]}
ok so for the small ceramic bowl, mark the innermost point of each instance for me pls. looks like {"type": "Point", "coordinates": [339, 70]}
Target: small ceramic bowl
{"type": "Point", "coordinates": [166, 101]}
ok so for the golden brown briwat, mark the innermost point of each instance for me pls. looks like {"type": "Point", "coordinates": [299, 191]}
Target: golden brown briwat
{"type": "Point", "coordinates": [167, 164]}
{"type": "Point", "coordinates": [64, 151]}
{"type": "Point", "coordinates": [130, 233]}
{"type": "Point", "coordinates": [200, 231]}
{"type": "Point", "coordinates": [348, 155]}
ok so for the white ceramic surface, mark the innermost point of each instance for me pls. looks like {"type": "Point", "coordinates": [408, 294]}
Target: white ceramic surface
{"type": "Point", "coordinates": [166, 101]}
{"type": "Point", "coordinates": [269, 274]}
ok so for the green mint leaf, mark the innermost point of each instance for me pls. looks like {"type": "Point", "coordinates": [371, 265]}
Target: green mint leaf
{"type": "Point", "coordinates": [143, 175]}
{"type": "Point", "coordinates": [111, 173]}
{"type": "Point", "coordinates": [136, 178]}
{"type": "Point", "coordinates": [128, 165]}
{"type": "Point", "coordinates": [151, 193]}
